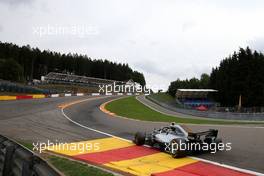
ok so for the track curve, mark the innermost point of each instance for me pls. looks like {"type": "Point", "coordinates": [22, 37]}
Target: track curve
{"type": "Point", "coordinates": [247, 151]}
{"type": "Point", "coordinates": [39, 120]}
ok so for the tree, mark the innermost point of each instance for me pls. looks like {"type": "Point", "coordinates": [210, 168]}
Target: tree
{"type": "Point", "coordinates": [11, 70]}
{"type": "Point", "coordinates": [204, 80]}
{"type": "Point", "coordinates": [240, 74]}
{"type": "Point", "coordinates": [36, 63]}
{"type": "Point", "coordinates": [139, 77]}
{"type": "Point", "coordinates": [192, 83]}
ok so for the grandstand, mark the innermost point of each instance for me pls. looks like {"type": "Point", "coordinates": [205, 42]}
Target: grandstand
{"type": "Point", "coordinates": [195, 98]}
{"type": "Point", "coordinates": [60, 78]}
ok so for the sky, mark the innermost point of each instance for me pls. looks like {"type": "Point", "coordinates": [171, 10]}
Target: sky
{"type": "Point", "coordinates": [164, 39]}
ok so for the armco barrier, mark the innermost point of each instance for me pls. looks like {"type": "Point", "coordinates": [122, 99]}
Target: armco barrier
{"type": "Point", "coordinates": [7, 97]}
{"type": "Point", "coordinates": [20, 97]}
{"type": "Point", "coordinates": [67, 95]}
{"type": "Point", "coordinates": [38, 96]}
{"type": "Point", "coordinates": [54, 95]}
{"type": "Point", "coordinates": [15, 160]}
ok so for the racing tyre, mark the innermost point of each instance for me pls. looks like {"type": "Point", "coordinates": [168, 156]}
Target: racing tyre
{"type": "Point", "coordinates": [218, 141]}
{"type": "Point", "coordinates": [140, 138]}
{"type": "Point", "coordinates": [175, 148]}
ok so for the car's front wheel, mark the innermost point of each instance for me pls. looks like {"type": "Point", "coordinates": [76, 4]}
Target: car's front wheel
{"type": "Point", "coordinates": [176, 150]}
{"type": "Point", "coordinates": [140, 138]}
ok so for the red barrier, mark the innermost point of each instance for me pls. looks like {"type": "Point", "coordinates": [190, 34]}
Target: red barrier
{"type": "Point", "coordinates": [19, 97]}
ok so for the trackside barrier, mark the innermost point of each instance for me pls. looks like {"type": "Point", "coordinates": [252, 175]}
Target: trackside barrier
{"type": "Point", "coordinates": [7, 97]}
{"type": "Point", "coordinates": [15, 160]}
{"type": "Point", "coordinates": [38, 96]}
{"type": "Point", "coordinates": [19, 97]}
{"type": "Point", "coordinates": [54, 95]}
{"type": "Point", "coordinates": [211, 114]}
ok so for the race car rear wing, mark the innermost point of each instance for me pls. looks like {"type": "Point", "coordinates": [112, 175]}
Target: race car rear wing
{"type": "Point", "coordinates": [209, 133]}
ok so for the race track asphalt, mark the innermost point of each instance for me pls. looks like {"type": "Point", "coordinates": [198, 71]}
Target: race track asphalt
{"type": "Point", "coordinates": [39, 120]}
{"type": "Point", "coordinates": [42, 120]}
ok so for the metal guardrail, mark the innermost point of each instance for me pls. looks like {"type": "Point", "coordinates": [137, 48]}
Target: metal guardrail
{"type": "Point", "coordinates": [15, 160]}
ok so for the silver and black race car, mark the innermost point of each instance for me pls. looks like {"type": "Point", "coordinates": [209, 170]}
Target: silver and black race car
{"type": "Point", "coordinates": [178, 140]}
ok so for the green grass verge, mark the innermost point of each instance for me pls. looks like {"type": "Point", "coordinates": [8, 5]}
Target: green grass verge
{"type": "Point", "coordinates": [72, 168]}
{"type": "Point", "coordinates": [130, 107]}
{"type": "Point", "coordinates": [27, 145]}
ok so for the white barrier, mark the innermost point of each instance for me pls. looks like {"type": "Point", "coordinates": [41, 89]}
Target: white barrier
{"type": "Point", "coordinates": [108, 94]}
{"type": "Point", "coordinates": [54, 95]}
{"type": "Point", "coordinates": [67, 95]}
{"type": "Point", "coordinates": [79, 94]}
{"type": "Point", "coordinates": [95, 94]}
{"type": "Point", "coordinates": [120, 94]}
{"type": "Point", "coordinates": [129, 93]}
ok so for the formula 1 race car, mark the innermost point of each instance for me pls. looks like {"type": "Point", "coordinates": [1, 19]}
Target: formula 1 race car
{"type": "Point", "coordinates": [178, 141]}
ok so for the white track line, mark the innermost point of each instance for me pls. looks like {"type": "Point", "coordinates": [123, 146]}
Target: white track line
{"type": "Point", "coordinates": [204, 160]}
{"type": "Point", "coordinates": [91, 129]}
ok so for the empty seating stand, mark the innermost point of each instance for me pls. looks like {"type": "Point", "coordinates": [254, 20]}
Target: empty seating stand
{"type": "Point", "coordinates": [16, 160]}
{"type": "Point", "coordinates": [60, 78]}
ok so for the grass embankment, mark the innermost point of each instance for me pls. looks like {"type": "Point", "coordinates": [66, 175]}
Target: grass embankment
{"type": "Point", "coordinates": [162, 97]}
{"type": "Point", "coordinates": [72, 168]}
{"type": "Point", "coordinates": [69, 167]}
{"type": "Point", "coordinates": [130, 107]}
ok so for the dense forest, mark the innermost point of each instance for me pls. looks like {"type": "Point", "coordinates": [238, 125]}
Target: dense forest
{"type": "Point", "coordinates": [242, 73]}
{"type": "Point", "coordinates": [193, 83]}
{"type": "Point", "coordinates": [25, 63]}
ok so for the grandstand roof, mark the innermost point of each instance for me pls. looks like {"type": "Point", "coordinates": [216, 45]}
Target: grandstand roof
{"type": "Point", "coordinates": [193, 93]}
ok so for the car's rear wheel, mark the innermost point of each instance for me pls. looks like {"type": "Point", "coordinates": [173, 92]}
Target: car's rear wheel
{"type": "Point", "coordinates": [218, 141]}
{"type": "Point", "coordinates": [140, 138]}
{"type": "Point", "coordinates": [176, 149]}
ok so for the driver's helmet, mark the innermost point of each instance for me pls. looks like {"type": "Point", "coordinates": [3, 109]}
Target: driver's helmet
{"type": "Point", "coordinates": [173, 126]}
